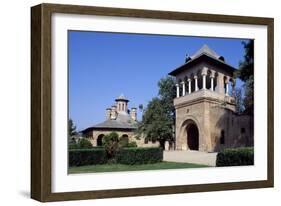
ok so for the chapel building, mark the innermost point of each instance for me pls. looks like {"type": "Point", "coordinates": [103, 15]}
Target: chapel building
{"type": "Point", "coordinates": [121, 120]}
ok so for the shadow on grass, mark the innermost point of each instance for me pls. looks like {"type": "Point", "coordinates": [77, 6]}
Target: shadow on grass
{"type": "Point", "coordinates": [122, 167]}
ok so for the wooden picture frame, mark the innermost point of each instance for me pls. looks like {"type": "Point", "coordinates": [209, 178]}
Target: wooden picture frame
{"type": "Point", "coordinates": [41, 98]}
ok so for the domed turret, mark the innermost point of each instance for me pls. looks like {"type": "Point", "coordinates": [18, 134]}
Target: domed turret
{"type": "Point", "coordinates": [122, 103]}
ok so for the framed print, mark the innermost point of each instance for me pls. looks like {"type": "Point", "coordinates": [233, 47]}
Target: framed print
{"type": "Point", "coordinates": [128, 102]}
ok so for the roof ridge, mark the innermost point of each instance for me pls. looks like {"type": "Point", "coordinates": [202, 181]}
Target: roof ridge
{"type": "Point", "coordinates": [205, 49]}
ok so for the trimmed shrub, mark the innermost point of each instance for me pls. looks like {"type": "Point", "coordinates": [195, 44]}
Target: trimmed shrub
{"type": "Point", "coordinates": [110, 143]}
{"type": "Point", "coordinates": [84, 144]}
{"type": "Point", "coordinates": [73, 146]}
{"type": "Point", "coordinates": [134, 155]}
{"type": "Point", "coordinates": [129, 156]}
{"type": "Point", "coordinates": [98, 147]}
{"type": "Point", "coordinates": [80, 157]}
{"type": "Point", "coordinates": [132, 144]}
{"type": "Point", "coordinates": [81, 144]}
{"type": "Point", "coordinates": [235, 157]}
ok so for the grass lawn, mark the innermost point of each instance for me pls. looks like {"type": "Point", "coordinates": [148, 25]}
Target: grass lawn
{"type": "Point", "coordinates": [121, 167]}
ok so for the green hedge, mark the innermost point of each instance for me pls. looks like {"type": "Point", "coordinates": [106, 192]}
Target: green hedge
{"type": "Point", "coordinates": [79, 157]}
{"type": "Point", "coordinates": [81, 144]}
{"type": "Point", "coordinates": [72, 146]}
{"type": "Point", "coordinates": [129, 156]}
{"type": "Point", "coordinates": [134, 155]}
{"type": "Point", "coordinates": [235, 157]}
{"type": "Point", "coordinates": [132, 144]}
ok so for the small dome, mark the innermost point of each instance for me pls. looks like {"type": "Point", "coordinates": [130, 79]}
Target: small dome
{"type": "Point", "coordinates": [121, 98]}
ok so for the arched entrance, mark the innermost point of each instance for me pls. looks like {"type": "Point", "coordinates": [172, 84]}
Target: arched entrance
{"type": "Point", "coordinates": [99, 140]}
{"type": "Point", "coordinates": [124, 140]}
{"type": "Point", "coordinates": [192, 136]}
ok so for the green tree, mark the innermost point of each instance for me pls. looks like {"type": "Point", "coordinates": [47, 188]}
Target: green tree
{"type": "Point", "coordinates": [110, 143]}
{"type": "Point", "coordinates": [81, 144]}
{"type": "Point", "coordinates": [123, 141]}
{"type": "Point", "coordinates": [246, 74]}
{"type": "Point", "coordinates": [71, 128]}
{"type": "Point", "coordinates": [246, 66]}
{"type": "Point", "coordinates": [239, 100]}
{"type": "Point", "coordinates": [249, 96]}
{"type": "Point", "coordinates": [84, 144]}
{"type": "Point", "coordinates": [167, 94]}
{"type": "Point", "coordinates": [159, 115]}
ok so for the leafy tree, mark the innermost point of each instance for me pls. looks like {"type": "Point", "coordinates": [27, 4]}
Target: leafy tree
{"type": "Point", "coordinates": [110, 143]}
{"type": "Point", "coordinates": [71, 128]}
{"type": "Point", "coordinates": [159, 115]}
{"type": "Point", "coordinates": [81, 144]}
{"type": "Point", "coordinates": [249, 96]}
{"type": "Point", "coordinates": [123, 141]}
{"type": "Point", "coordinates": [246, 74]}
{"type": "Point", "coordinates": [239, 100]}
{"type": "Point", "coordinates": [167, 94]}
{"type": "Point", "coordinates": [73, 145]}
{"type": "Point", "coordinates": [84, 144]}
{"type": "Point", "coordinates": [246, 66]}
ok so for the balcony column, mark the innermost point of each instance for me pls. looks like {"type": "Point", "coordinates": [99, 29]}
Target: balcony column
{"type": "Point", "coordinates": [233, 87]}
{"type": "Point", "coordinates": [196, 83]}
{"type": "Point", "coordinates": [226, 86]}
{"type": "Point", "coordinates": [212, 76]}
{"type": "Point", "coordinates": [204, 74]}
{"type": "Point", "coordinates": [220, 83]}
{"type": "Point", "coordinates": [183, 88]}
{"type": "Point", "coordinates": [178, 90]}
{"type": "Point", "coordinates": [189, 85]}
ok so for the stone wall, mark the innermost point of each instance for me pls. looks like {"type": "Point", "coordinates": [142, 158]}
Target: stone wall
{"type": "Point", "coordinates": [214, 119]}
{"type": "Point", "coordinates": [92, 136]}
{"type": "Point", "coordinates": [192, 113]}
{"type": "Point", "coordinates": [236, 129]}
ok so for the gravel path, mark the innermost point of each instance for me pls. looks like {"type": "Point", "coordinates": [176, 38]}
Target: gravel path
{"type": "Point", "coordinates": [191, 157]}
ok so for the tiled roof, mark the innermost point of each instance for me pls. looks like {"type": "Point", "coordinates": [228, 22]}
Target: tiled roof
{"type": "Point", "coordinates": [203, 54]}
{"type": "Point", "coordinates": [123, 121]}
{"type": "Point", "coordinates": [121, 97]}
{"type": "Point", "coordinates": [205, 50]}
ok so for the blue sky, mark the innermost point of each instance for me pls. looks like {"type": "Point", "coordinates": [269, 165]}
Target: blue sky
{"type": "Point", "coordinates": [104, 65]}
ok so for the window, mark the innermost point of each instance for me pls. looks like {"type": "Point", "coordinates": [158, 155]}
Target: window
{"type": "Point", "coordinates": [222, 140]}
{"type": "Point", "coordinates": [243, 130]}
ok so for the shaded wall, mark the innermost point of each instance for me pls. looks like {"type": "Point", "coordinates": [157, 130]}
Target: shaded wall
{"type": "Point", "coordinates": [219, 127]}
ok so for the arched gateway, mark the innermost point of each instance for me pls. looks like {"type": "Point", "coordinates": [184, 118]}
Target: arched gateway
{"type": "Point", "coordinates": [99, 140]}
{"type": "Point", "coordinates": [189, 132]}
{"type": "Point", "coordinates": [192, 135]}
